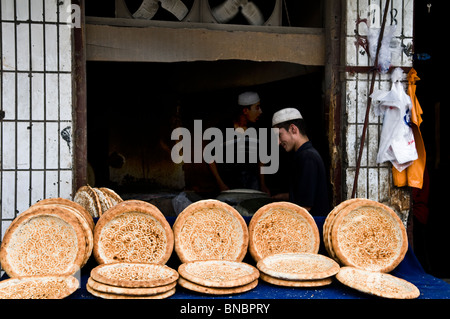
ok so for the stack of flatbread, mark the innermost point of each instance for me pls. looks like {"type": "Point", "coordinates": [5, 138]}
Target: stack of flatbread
{"type": "Point", "coordinates": [298, 269]}
{"type": "Point", "coordinates": [96, 200]}
{"type": "Point", "coordinates": [365, 236]}
{"type": "Point", "coordinates": [218, 277]}
{"type": "Point", "coordinates": [53, 237]}
{"type": "Point", "coordinates": [133, 231]}
{"type": "Point", "coordinates": [211, 240]}
{"type": "Point", "coordinates": [132, 281]}
{"type": "Point", "coordinates": [282, 227]}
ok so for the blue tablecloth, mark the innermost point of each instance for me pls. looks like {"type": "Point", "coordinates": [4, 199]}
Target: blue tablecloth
{"type": "Point", "coordinates": [409, 269]}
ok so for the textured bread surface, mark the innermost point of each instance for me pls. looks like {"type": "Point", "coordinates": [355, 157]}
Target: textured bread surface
{"type": "Point", "coordinates": [133, 231]}
{"type": "Point", "coordinates": [210, 230]}
{"type": "Point", "coordinates": [298, 266]}
{"type": "Point", "coordinates": [377, 283]}
{"type": "Point", "coordinates": [134, 275]}
{"type": "Point", "coordinates": [282, 227]}
{"type": "Point", "coordinates": [88, 198]}
{"type": "Point", "coordinates": [146, 291]}
{"type": "Point", "coordinates": [216, 290]}
{"type": "Point", "coordinates": [218, 273]}
{"type": "Point", "coordinates": [44, 241]}
{"type": "Point", "coordinates": [106, 295]}
{"type": "Point", "coordinates": [369, 236]}
{"type": "Point", "coordinates": [38, 287]}
{"type": "Point", "coordinates": [295, 283]}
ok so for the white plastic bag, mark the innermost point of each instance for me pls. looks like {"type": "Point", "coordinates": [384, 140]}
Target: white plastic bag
{"type": "Point", "coordinates": [397, 143]}
{"type": "Point", "coordinates": [388, 46]}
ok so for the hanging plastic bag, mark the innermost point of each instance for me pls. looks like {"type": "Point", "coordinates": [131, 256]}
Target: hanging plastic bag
{"type": "Point", "coordinates": [397, 143]}
{"type": "Point", "coordinates": [388, 46]}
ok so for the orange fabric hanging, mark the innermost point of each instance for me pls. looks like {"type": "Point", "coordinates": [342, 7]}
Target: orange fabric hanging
{"type": "Point", "coordinates": [413, 175]}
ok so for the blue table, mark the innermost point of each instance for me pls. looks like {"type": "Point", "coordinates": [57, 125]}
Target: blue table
{"type": "Point", "coordinates": [410, 269]}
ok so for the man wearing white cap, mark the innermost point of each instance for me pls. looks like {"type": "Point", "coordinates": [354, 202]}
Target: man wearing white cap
{"type": "Point", "coordinates": [241, 175]}
{"type": "Point", "coordinates": [308, 182]}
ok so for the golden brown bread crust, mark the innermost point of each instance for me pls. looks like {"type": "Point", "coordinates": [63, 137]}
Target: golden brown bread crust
{"type": "Point", "coordinates": [133, 231]}
{"type": "Point", "coordinates": [298, 266]}
{"type": "Point", "coordinates": [369, 236]}
{"type": "Point", "coordinates": [38, 287]}
{"type": "Point", "coordinates": [146, 291]}
{"type": "Point", "coordinates": [43, 241]}
{"type": "Point", "coordinates": [295, 283]}
{"type": "Point", "coordinates": [216, 290]}
{"type": "Point", "coordinates": [134, 275]}
{"type": "Point", "coordinates": [88, 198]}
{"type": "Point", "coordinates": [282, 227]}
{"type": "Point", "coordinates": [377, 283]}
{"type": "Point", "coordinates": [68, 202]}
{"type": "Point", "coordinates": [105, 295]}
{"type": "Point", "coordinates": [218, 273]}
{"type": "Point", "coordinates": [89, 236]}
{"type": "Point", "coordinates": [327, 225]}
{"type": "Point", "coordinates": [210, 229]}
{"type": "Point", "coordinates": [113, 196]}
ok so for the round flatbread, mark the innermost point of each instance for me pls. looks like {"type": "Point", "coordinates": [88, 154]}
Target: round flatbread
{"type": "Point", "coordinates": [133, 231]}
{"type": "Point", "coordinates": [69, 210]}
{"type": "Point", "coordinates": [105, 295]}
{"type": "Point", "coordinates": [89, 236]}
{"type": "Point", "coordinates": [329, 222]}
{"type": "Point", "coordinates": [282, 227]}
{"type": "Point", "coordinates": [218, 273]}
{"type": "Point", "coordinates": [214, 290]}
{"type": "Point", "coordinates": [369, 236]}
{"type": "Point", "coordinates": [38, 287]}
{"type": "Point", "coordinates": [105, 201]}
{"type": "Point", "coordinates": [298, 266]}
{"type": "Point", "coordinates": [88, 198]}
{"type": "Point", "coordinates": [68, 202]}
{"type": "Point", "coordinates": [295, 283]}
{"type": "Point", "coordinates": [45, 241]}
{"type": "Point", "coordinates": [98, 286]}
{"type": "Point", "coordinates": [134, 275]}
{"type": "Point", "coordinates": [377, 283]}
{"type": "Point", "coordinates": [210, 229]}
{"type": "Point", "coordinates": [113, 196]}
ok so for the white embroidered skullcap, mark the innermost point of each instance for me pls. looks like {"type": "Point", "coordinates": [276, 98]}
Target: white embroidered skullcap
{"type": "Point", "coordinates": [248, 98]}
{"type": "Point", "coordinates": [285, 115]}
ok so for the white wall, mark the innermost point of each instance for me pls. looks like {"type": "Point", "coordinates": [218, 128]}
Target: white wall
{"type": "Point", "coordinates": [36, 96]}
{"type": "Point", "coordinates": [374, 180]}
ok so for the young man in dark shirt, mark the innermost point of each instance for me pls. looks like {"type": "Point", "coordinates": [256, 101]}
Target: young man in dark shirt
{"type": "Point", "coordinates": [307, 184]}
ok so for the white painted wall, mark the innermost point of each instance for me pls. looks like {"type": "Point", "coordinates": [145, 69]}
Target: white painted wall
{"type": "Point", "coordinates": [36, 96]}
{"type": "Point", "coordinates": [374, 180]}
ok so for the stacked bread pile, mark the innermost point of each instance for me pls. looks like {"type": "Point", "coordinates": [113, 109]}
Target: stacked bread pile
{"type": "Point", "coordinates": [211, 240]}
{"type": "Point", "coordinates": [96, 200]}
{"type": "Point", "coordinates": [298, 269]}
{"type": "Point", "coordinates": [132, 243]}
{"type": "Point", "coordinates": [369, 240]}
{"type": "Point", "coordinates": [44, 247]}
{"type": "Point", "coordinates": [218, 277]}
{"type": "Point", "coordinates": [284, 241]}
{"type": "Point", "coordinates": [124, 280]}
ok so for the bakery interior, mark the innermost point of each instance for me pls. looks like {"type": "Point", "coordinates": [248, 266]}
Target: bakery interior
{"type": "Point", "coordinates": [132, 108]}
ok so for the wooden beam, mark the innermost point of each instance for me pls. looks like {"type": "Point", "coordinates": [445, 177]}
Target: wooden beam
{"type": "Point", "coordinates": [177, 41]}
{"type": "Point", "coordinates": [333, 96]}
{"type": "Point", "coordinates": [80, 103]}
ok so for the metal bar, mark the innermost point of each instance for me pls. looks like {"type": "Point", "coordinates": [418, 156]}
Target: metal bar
{"type": "Point", "coordinates": [369, 99]}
